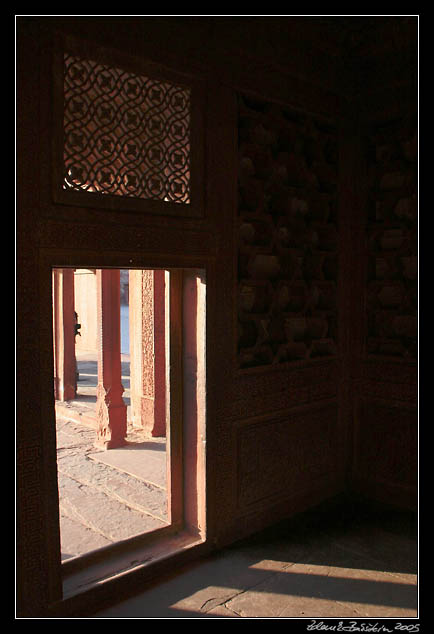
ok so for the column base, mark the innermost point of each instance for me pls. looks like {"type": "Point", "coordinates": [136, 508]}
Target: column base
{"type": "Point", "coordinates": [113, 443]}
{"type": "Point", "coordinates": [112, 426]}
{"type": "Point", "coordinates": [149, 417]}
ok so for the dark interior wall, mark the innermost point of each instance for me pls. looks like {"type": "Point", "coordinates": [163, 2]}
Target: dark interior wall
{"type": "Point", "coordinates": [280, 431]}
{"type": "Point", "coordinates": [385, 329]}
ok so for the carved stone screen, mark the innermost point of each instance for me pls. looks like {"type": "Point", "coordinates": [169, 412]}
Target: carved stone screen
{"type": "Point", "coordinates": [392, 221]}
{"type": "Point", "coordinates": [287, 235]}
{"type": "Point", "coordinates": [125, 134]}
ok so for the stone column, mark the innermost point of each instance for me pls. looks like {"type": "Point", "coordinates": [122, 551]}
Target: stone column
{"type": "Point", "coordinates": [110, 407]}
{"type": "Point", "coordinates": [148, 342]}
{"type": "Point", "coordinates": [65, 384]}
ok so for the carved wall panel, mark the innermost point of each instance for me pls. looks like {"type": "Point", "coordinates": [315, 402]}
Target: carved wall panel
{"type": "Point", "coordinates": [287, 235]}
{"type": "Point", "coordinates": [386, 440]}
{"type": "Point", "coordinates": [284, 456]}
{"type": "Point", "coordinates": [391, 233]}
{"type": "Point", "coordinates": [254, 394]}
{"type": "Point", "coordinates": [31, 568]}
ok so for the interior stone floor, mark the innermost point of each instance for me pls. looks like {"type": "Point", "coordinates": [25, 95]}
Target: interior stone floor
{"type": "Point", "coordinates": [352, 562]}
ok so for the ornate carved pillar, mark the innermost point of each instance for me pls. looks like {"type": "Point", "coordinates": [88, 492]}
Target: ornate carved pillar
{"type": "Point", "coordinates": [65, 384]}
{"type": "Point", "coordinates": [148, 342]}
{"type": "Point", "coordinates": [110, 407]}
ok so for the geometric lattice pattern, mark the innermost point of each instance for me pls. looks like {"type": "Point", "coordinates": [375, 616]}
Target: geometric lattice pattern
{"type": "Point", "coordinates": [287, 235]}
{"type": "Point", "coordinates": [125, 134]}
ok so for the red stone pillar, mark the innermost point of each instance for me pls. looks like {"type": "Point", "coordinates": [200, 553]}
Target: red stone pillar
{"type": "Point", "coordinates": [148, 315]}
{"type": "Point", "coordinates": [65, 383]}
{"type": "Point", "coordinates": [110, 407]}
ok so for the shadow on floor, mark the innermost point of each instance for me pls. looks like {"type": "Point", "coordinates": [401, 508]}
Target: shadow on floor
{"type": "Point", "coordinates": [350, 561]}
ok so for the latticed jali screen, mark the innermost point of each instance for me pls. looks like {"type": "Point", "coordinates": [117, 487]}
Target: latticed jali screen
{"type": "Point", "coordinates": [287, 235]}
{"type": "Point", "coordinates": [125, 134]}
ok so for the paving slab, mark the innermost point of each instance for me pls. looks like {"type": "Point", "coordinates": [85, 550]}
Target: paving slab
{"type": "Point", "coordinates": [393, 552]}
{"type": "Point", "coordinates": [144, 460]}
{"type": "Point", "coordinates": [101, 512]}
{"type": "Point", "coordinates": [77, 539]}
{"type": "Point", "coordinates": [102, 501]}
{"type": "Point", "coordinates": [222, 612]}
{"type": "Point", "coordinates": [327, 591]}
{"type": "Point", "coordinates": [220, 579]}
{"type": "Point", "coordinates": [70, 435]}
{"type": "Point", "coordinates": [130, 490]}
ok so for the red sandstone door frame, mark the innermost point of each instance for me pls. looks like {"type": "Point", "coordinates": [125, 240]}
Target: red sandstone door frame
{"type": "Point", "coordinates": [186, 445]}
{"type": "Point", "coordinates": [174, 432]}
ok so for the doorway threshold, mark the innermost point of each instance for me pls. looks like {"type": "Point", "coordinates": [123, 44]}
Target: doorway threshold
{"type": "Point", "coordinates": [113, 572]}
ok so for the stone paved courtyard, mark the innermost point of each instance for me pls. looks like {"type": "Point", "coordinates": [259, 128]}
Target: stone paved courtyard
{"type": "Point", "coordinates": [105, 496]}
